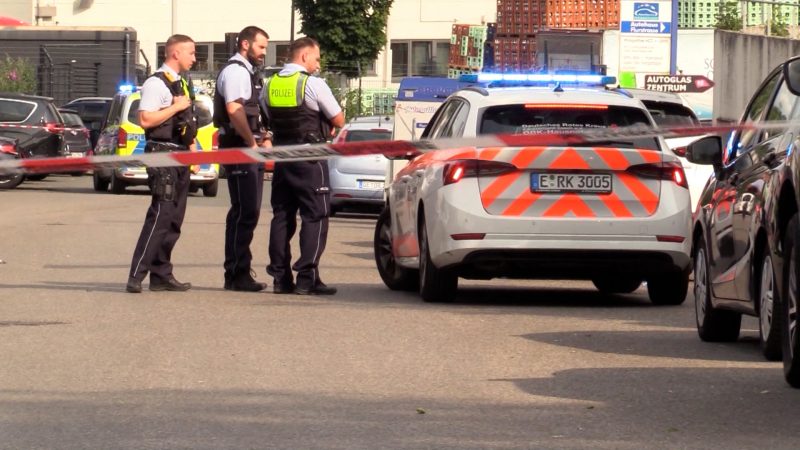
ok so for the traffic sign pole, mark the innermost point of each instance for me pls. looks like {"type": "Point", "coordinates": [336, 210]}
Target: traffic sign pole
{"type": "Point", "coordinates": [673, 51]}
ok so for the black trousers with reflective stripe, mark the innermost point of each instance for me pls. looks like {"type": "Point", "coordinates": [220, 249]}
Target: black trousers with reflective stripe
{"type": "Point", "coordinates": [161, 229]}
{"type": "Point", "coordinates": [302, 186]}
{"type": "Point", "coordinates": [246, 188]}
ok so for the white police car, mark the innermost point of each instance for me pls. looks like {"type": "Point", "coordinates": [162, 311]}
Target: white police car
{"type": "Point", "coordinates": [615, 212]}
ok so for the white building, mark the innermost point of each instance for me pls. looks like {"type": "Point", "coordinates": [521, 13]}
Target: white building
{"type": "Point", "coordinates": [418, 30]}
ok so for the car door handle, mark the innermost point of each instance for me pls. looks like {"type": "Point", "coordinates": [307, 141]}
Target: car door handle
{"type": "Point", "coordinates": [419, 173]}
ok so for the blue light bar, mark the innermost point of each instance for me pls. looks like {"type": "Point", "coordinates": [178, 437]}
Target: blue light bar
{"type": "Point", "coordinates": [127, 88]}
{"type": "Point", "coordinates": [538, 79]}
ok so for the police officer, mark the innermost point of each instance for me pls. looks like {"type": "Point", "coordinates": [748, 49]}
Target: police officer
{"type": "Point", "coordinates": [237, 114]}
{"type": "Point", "coordinates": [301, 109]}
{"type": "Point", "coordinates": [166, 113]}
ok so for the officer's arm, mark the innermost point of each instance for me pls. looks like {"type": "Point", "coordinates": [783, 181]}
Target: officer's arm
{"type": "Point", "coordinates": [338, 120]}
{"type": "Point", "coordinates": [151, 119]}
{"type": "Point", "coordinates": [239, 122]}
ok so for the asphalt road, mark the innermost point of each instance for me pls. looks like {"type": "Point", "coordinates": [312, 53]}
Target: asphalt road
{"type": "Point", "coordinates": [508, 365]}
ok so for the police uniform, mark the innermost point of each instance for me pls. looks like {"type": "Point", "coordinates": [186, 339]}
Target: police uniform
{"type": "Point", "coordinates": [169, 186]}
{"type": "Point", "coordinates": [299, 107]}
{"type": "Point", "coordinates": [238, 80]}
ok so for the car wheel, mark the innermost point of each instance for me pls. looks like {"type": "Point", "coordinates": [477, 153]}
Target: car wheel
{"type": "Point", "coordinates": [36, 177]}
{"type": "Point", "coordinates": [11, 181]}
{"type": "Point", "coordinates": [435, 285]}
{"type": "Point", "coordinates": [617, 284]}
{"type": "Point", "coordinates": [394, 277]}
{"type": "Point", "coordinates": [100, 184]}
{"type": "Point", "coordinates": [210, 190]}
{"type": "Point", "coordinates": [769, 317]}
{"type": "Point", "coordinates": [713, 325]}
{"type": "Point", "coordinates": [76, 174]}
{"type": "Point", "coordinates": [117, 185]}
{"type": "Point", "coordinates": [334, 210]}
{"type": "Point", "coordinates": [669, 288]}
{"type": "Point", "coordinates": [791, 323]}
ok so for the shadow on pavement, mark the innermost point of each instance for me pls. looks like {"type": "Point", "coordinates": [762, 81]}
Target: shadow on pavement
{"type": "Point", "coordinates": [682, 344]}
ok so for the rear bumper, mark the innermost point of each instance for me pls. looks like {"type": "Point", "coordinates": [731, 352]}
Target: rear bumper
{"type": "Point", "coordinates": [346, 190]}
{"type": "Point", "coordinates": [138, 177]}
{"type": "Point", "coordinates": [558, 247]}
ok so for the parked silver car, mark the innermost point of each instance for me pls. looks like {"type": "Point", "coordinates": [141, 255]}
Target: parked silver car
{"type": "Point", "coordinates": [357, 181]}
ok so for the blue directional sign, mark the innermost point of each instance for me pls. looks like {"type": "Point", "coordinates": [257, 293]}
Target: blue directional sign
{"type": "Point", "coordinates": [636, 26]}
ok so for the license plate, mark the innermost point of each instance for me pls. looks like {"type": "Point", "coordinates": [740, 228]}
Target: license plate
{"type": "Point", "coordinates": [596, 183]}
{"type": "Point", "coordinates": [76, 155]}
{"type": "Point", "coordinates": [370, 184]}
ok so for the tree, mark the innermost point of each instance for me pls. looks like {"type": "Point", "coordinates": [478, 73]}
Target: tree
{"type": "Point", "coordinates": [729, 18]}
{"type": "Point", "coordinates": [778, 25]}
{"type": "Point", "coordinates": [349, 31]}
{"type": "Point", "coordinates": [17, 75]}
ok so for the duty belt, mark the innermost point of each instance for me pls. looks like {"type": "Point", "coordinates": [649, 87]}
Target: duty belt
{"type": "Point", "coordinates": [157, 147]}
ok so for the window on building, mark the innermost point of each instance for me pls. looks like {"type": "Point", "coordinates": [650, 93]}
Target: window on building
{"type": "Point", "coordinates": [414, 58]}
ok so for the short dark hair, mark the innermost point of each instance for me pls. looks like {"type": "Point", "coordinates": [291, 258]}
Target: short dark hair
{"type": "Point", "coordinates": [175, 39]}
{"type": "Point", "coordinates": [299, 44]}
{"type": "Point", "coordinates": [249, 34]}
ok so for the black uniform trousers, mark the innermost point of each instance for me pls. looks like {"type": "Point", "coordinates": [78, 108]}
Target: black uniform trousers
{"type": "Point", "coordinates": [246, 188]}
{"type": "Point", "coordinates": [162, 224]}
{"type": "Point", "coordinates": [303, 186]}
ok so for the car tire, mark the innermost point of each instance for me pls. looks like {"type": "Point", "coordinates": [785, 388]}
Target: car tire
{"type": "Point", "coordinates": [435, 285]}
{"type": "Point", "coordinates": [11, 181]}
{"type": "Point", "coordinates": [770, 313]}
{"type": "Point", "coordinates": [713, 325]}
{"type": "Point", "coordinates": [334, 210]}
{"type": "Point", "coordinates": [790, 336]}
{"type": "Point", "coordinates": [394, 277]}
{"type": "Point", "coordinates": [100, 184]}
{"type": "Point", "coordinates": [36, 177]}
{"type": "Point", "coordinates": [76, 174]}
{"type": "Point", "coordinates": [117, 185]}
{"type": "Point", "coordinates": [669, 288]}
{"type": "Point", "coordinates": [617, 284]}
{"type": "Point", "coordinates": [210, 190]}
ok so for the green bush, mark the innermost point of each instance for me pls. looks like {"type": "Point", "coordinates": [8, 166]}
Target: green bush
{"type": "Point", "coordinates": [17, 75]}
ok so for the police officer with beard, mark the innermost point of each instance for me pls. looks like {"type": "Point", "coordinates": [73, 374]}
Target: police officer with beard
{"type": "Point", "coordinates": [301, 109]}
{"type": "Point", "coordinates": [238, 117]}
{"type": "Point", "coordinates": [166, 113]}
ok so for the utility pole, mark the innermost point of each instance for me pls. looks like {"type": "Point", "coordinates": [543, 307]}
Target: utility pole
{"type": "Point", "coordinates": [174, 16]}
{"type": "Point", "coordinates": [291, 24]}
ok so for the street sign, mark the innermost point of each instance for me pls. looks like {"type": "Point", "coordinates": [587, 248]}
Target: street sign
{"type": "Point", "coordinates": [645, 35]}
{"type": "Point", "coordinates": [678, 83]}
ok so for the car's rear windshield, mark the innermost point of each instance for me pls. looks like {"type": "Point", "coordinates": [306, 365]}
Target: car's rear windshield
{"type": "Point", "coordinates": [538, 118]}
{"type": "Point", "coordinates": [666, 114]}
{"type": "Point", "coordinates": [93, 111]}
{"type": "Point", "coordinates": [368, 135]}
{"type": "Point", "coordinates": [71, 119]}
{"type": "Point", "coordinates": [15, 110]}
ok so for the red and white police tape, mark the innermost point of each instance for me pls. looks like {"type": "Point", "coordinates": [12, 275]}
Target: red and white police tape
{"type": "Point", "coordinates": [386, 148]}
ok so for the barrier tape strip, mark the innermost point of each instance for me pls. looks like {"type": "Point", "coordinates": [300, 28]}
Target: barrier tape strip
{"type": "Point", "coordinates": [385, 148]}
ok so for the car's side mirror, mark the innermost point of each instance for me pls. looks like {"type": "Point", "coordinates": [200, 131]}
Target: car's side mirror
{"type": "Point", "coordinates": [791, 73]}
{"type": "Point", "coordinates": [707, 150]}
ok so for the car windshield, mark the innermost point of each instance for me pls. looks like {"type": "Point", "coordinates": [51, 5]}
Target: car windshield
{"type": "Point", "coordinates": [71, 119]}
{"type": "Point", "coordinates": [670, 114]}
{"type": "Point", "coordinates": [536, 118]}
{"type": "Point", "coordinates": [368, 135]}
{"type": "Point", "coordinates": [94, 111]}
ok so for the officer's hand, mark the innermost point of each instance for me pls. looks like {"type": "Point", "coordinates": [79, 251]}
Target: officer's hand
{"type": "Point", "coordinates": [266, 143]}
{"type": "Point", "coordinates": [181, 102]}
{"type": "Point", "coordinates": [194, 169]}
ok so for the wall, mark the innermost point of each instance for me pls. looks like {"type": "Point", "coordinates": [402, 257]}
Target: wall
{"type": "Point", "coordinates": [206, 20]}
{"type": "Point", "coordinates": [18, 9]}
{"type": "Point", "coordinates": [746, 60]}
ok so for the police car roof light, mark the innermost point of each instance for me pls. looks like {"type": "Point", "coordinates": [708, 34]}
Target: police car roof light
{"type": "Point", "coordinates": [128, 88]}
{"type": "Point", "coordinates": [538, 79]}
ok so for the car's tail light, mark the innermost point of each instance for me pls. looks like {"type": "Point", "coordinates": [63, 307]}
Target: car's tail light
{"type": "Point", "coordinates": [670, 238]}
{"type": "Point", "coordinates": [670, 171]}
{"type": "Point", "coordinates": [679, 151]}
{"type": "Point", "coordinates": [215, 140]}
{"type": "Point", "coordinates": [54, 127]}
{"type": "Point", "coordinates": [122, 138]}
{"type": "Point", "coordinates": [341, 136]}
{"type": "Point", "coordinates": [9, 149]}
{"type": "Point", "coordinates": [86, 133]}
{"type": "Point", "coordinates": [455, 171]}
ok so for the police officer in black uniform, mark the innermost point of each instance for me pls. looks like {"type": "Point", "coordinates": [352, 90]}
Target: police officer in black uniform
{"type": "Point", "coordinates": [301, 109]}
{"type": "Point", "coordinates": [166, 113]}
{"type": "Point", "coordinates": [237, 115]}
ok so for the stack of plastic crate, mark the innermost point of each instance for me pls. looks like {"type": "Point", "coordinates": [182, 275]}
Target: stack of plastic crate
{"type": "Point", "coordinates": [470, 45]}
{"type": "Point", "coordinates": [518, 21]}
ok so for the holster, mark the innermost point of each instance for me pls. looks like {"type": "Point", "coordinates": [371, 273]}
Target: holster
{"type": "Point", "coordinates": [155, 147]}
{"type": "Point", "coordinates": [162, 183]}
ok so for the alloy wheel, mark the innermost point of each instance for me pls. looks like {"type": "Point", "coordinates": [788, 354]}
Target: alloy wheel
{"type": "Point", "coordinates": [700, 286]}
{"type": "Point", "coordinates": [767, 297]}
{"type": "Point", "coordinates": [792, 299]}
